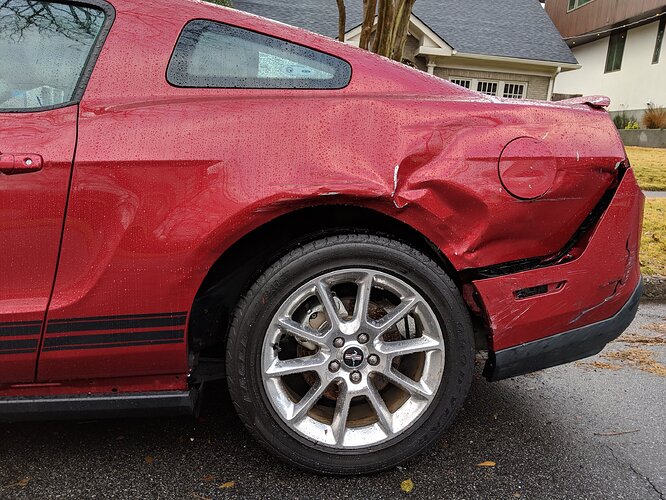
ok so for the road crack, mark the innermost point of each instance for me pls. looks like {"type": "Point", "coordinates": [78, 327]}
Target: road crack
{"type": "Point", "coordinates": [636, 472]}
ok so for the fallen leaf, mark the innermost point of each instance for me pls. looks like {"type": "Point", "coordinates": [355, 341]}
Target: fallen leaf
{"type": "Point", "coordinates": [22, 483]}
{"type": "Point", "coordinates": [199, 497]}
{"type": "Point", "coordinates": [407, 485]}
{"type": "Point", "coordinates": [639, 358]}
{"type": "Point", "coordinates": [208, 478]}
{"type": "Point", "coordinates": [487, 463]}
{"type": "Point", "coordinates": [227, 485]}
{"type": "Point", "coordinates": [149, 460]}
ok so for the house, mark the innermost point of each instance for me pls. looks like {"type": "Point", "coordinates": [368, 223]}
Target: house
{"type": "Point", "coordinates": [619, 44]}
{"type": "Point", "coordinates": [508, 48]}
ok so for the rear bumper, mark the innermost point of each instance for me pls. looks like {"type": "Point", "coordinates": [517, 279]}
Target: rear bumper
{"type": "Point", "coordinates": [541, 314]}
{"type": "Point", "coordinates": [562, 348]}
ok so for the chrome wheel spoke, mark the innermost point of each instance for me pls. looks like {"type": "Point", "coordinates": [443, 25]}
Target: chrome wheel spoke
{"type": "Point", "coordinates": [383, 414]}
{"type": "Point", "coordinates": [290, 326]}
{"type": "Point", "coordinates": [282, 368]}
{"type": "Point", "coordinates": [413, 387]}
{"type": "Point", "coordinates": [389, 321]}
{"type": "Point", "coordinates": [301, 408]}
{"type": "Point", "coordinates": [408, 346]}
{"type": "Point", "coordinates": [326, 298]}
{"type": "Point", "coordinates": [339, 424]}
{"type": "Point", "coordinates": [363, 299]}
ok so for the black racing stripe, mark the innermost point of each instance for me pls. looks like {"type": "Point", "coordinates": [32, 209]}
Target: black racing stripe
{"type": "Point", "coordinates": [6, 345]}
{"type": "Point", "coordinates": [115, 324]}
{"type": "Point", "coordinates": [18, 351]}
{"type": "Point", "coordinates": [20, 323]}
{"type": "Point", "coordinates": [20, 330]}
{"type": "Point", "coordinates": [109, 346]}
{"type": "Point", "coordinates": [113, 337]}
{"type": "Point", "coordinates": [126, 316]}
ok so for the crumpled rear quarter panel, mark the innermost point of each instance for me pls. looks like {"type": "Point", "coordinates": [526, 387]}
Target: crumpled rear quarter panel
{"type": "Point", "coordinates": [596, 284]}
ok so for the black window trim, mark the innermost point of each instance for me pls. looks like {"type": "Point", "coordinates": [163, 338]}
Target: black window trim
{"type": "Point", "coordinates": [91, 60]}
{"type": "Point", "coordinates": [659, 44]}
{"type": "Point", "coordinates": [343, 63]}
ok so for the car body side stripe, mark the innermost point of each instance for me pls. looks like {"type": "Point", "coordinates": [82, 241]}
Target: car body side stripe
{"type": "Point", "coordinates": [108, 346]}
{"type": "Point", "coordinates": [19, 330]}
{"type": "Point", "coordinates": [125, 316]}
{"type": "Point", "coordinates": [114, 324]}
{"type": "Point", "coordinates": [6, 345]}
{"type": "Point", "coordinates": [113, 337]}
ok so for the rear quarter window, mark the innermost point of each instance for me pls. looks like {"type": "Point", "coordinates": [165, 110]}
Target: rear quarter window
{"type": "Point", "coordinates": [216, 55]}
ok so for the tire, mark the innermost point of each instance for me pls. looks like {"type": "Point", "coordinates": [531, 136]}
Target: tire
{"type": "Point", "coordinates": [300, 416]}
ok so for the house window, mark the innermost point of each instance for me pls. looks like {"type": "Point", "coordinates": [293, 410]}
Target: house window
{"type": "Point", "coordinates": [660, 40]}
{"type": "Point", "coordinates": [508, 89]}
{"type": "Point", "coordinates": [489, 88]}
{"type": "Point", "coordinates": [615, 51]}
{"type": "Point", "coordinates": [574, 4]}
{"type": "Point", "coordinates": [514, 90]}
{"type": "Point", "coordinates": [462, 82]}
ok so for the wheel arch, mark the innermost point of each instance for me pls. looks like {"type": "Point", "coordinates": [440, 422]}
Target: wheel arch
{"type": "Point", "coordinates": [239, 265]}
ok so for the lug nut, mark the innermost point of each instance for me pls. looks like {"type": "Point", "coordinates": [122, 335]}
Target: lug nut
{"type": "Point", "coordinates": [339, 342]}
{"type": "Point", "coordinates": [334, 366]}
{"type": "Point", "coordinates": [355, 377]}
{"type": "Point", "coordinates": [363, 338]}
{"type": "Point", "coordinates": [373, 360]}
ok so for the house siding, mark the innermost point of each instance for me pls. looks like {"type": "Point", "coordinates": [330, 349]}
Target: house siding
{"type": "Point", "coordinates": [633, 86]}
{"type": "Point", "coordinates": [597, 14]}
{"type": "Point", "coordinates": [537, 86]}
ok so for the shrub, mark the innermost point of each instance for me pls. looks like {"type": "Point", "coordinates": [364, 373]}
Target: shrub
{"type": "Point", "coordinates": [654, 117]}
{"type": "Point", "coordinates": [620, 120]}
{"type": "Point", "coordinates": [632, 125]}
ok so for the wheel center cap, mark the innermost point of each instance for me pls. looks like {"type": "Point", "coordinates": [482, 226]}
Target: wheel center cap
{"type": "Point", "coordinates": [353, 357]}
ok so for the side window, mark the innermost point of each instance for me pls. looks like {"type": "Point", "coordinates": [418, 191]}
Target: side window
{"type": "Point", "coordinates": [210, 54]}
{"type": "Point", "coordinates": [44, 47]}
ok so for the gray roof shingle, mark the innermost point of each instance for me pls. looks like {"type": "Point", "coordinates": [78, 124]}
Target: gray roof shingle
{"type": "Point", "coordinates": [509, 28]}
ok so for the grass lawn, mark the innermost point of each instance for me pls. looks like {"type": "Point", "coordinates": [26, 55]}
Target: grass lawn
{"type": "Point", "coordinates": [649, 165]}
{"type": "Point", "coordinates": [653, 244]}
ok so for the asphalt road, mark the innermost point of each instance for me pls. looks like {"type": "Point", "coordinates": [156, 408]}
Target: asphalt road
{"type": "Point", "coordinates": [579, 431]}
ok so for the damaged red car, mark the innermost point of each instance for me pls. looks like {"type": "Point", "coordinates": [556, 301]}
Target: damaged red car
{"type": "Point", "coordinates": [191, 193]}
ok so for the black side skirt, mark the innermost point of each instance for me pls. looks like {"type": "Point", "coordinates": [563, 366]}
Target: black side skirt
{"type": "Point", "coordinates": [144, 404]}
{"type": "Point", "coordinates": [563, 347]}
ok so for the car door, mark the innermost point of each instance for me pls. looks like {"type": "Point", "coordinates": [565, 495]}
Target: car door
{"type": "Point", "coordinates": [45, 48]}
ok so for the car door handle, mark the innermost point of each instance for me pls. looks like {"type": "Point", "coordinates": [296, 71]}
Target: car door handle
{"type": "Point", "coordinates": [21, 163]}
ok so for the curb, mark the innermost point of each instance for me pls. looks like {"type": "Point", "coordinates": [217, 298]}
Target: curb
{"type": "Point", "coordinates": [654, 288]}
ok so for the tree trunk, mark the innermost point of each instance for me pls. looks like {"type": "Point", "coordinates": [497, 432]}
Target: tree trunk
{"type": "Point", "coordinates": [369, 12]}
{"type": "Point", "coordinates": [342, 20]}
{"type": "Point", "coordinates": [402, 29]}
{"type": "Point", "coordinates": [392, 28]}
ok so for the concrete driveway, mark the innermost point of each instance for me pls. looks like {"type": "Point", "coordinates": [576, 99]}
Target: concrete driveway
{"type": "Point", "coordinates": [594, 429]}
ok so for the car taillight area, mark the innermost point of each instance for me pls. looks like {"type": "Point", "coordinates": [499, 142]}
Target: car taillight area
{"type": "Point", "coordinates": [591, 285]}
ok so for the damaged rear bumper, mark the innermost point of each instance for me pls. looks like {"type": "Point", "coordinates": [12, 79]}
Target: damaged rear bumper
{"type": "Point", "coordinates": [561, 348]}
{"type": "Point", "coordinates": [556, 314]}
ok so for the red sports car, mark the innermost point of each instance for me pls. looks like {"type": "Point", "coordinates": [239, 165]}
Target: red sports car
{"type": "Point", "coordinates": [189, 193]}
